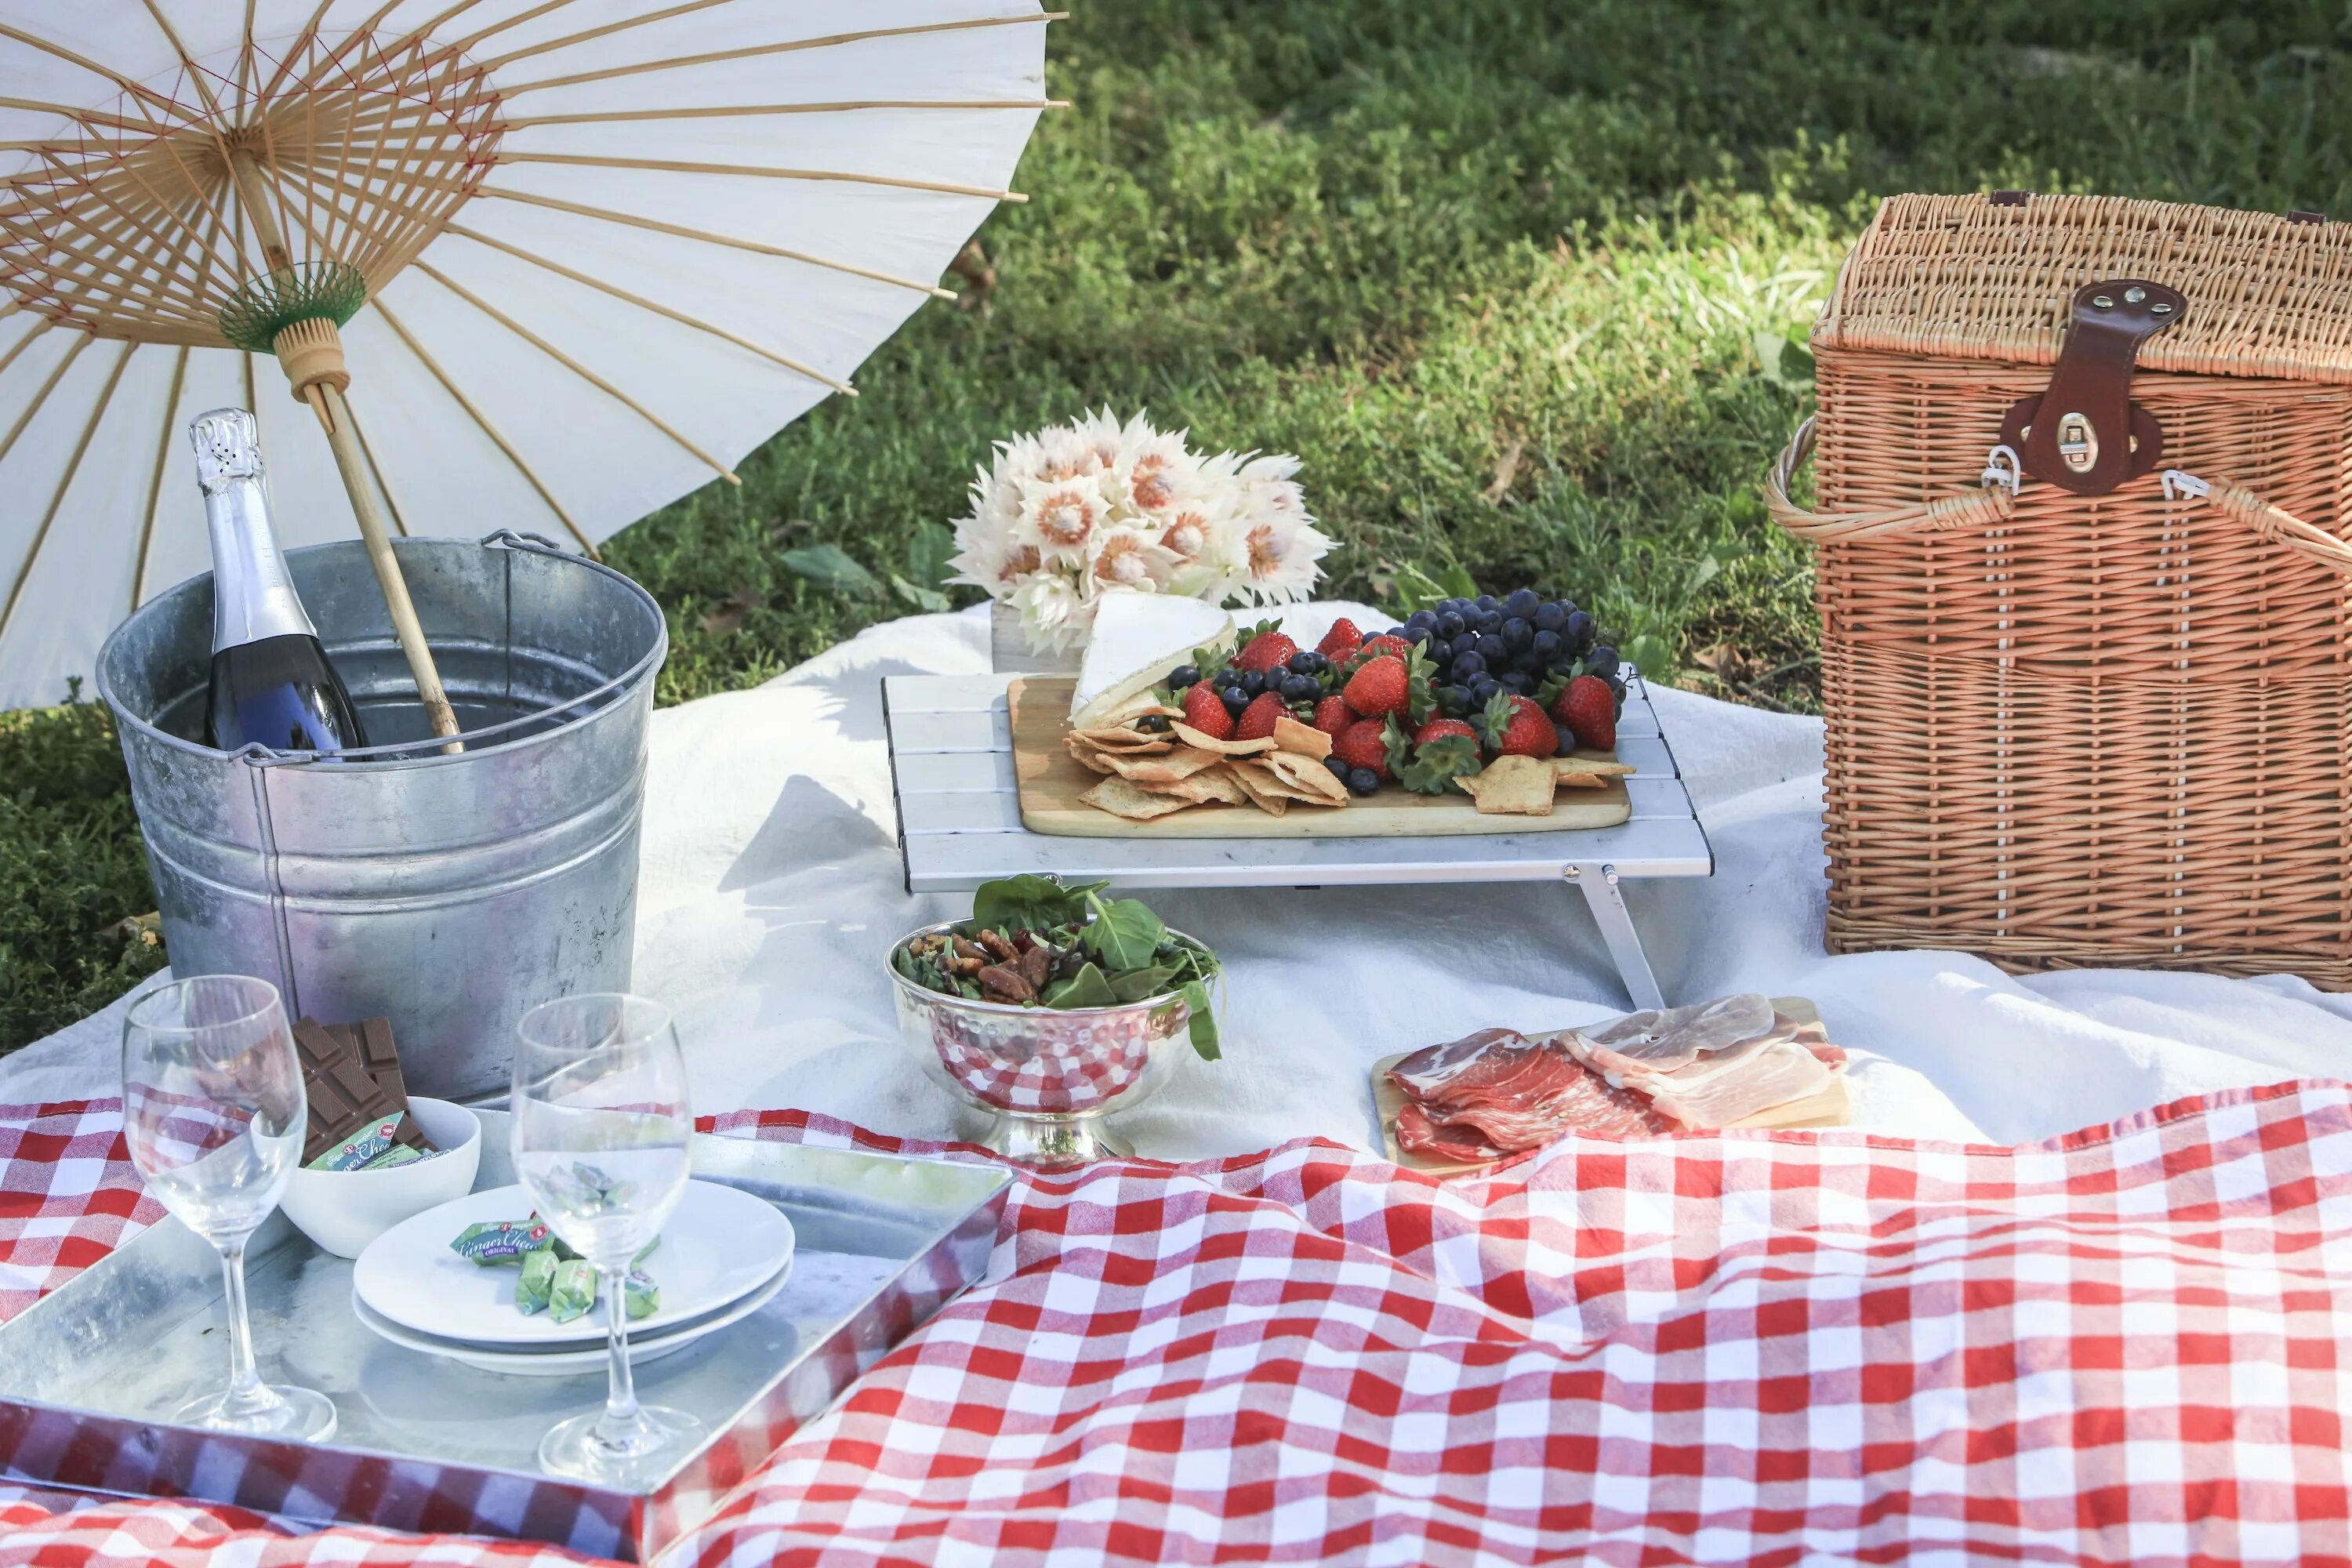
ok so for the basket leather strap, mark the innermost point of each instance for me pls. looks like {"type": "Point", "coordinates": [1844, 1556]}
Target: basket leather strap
{"type": "Point", "coordinates": [1992, 507]}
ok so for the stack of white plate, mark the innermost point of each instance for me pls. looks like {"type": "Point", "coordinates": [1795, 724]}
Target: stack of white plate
{"type": "Point", "coordinates": [723, 1254]}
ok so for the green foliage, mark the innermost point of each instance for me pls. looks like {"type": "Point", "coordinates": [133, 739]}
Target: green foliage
{"type": "Point", "coordinates": [71, 867]}
{"type": "Point", "coordinates": [1525, 282]}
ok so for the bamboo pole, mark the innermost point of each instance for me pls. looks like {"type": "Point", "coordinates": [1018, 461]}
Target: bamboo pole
{"type": "Point", "coordinates": [325, 401]}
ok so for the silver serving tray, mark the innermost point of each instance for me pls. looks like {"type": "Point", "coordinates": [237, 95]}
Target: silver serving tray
{"type": "Point", "coordinates": [425, 1444]}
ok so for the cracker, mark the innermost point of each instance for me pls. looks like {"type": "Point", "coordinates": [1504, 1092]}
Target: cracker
{"type": "Point", "coordinates": [1579, 781]}
{"type": "Point", "coordinates": [1257, 782]}
{"type": "Point", "coordinates": [1518, 786]}
{"type": "Point", "coordinates": [1213, 786]}
{"type": "Point", "coordinates": [1121, 737]}
{"type": "Point", "coordinates": [1191, 737]}
{"type": "Point", "coordinates": [1590, 767]}
{"type": "Point", "coordinates": [1307, 778]}
{"type": "Point", "coordinates": [1087, 756]}
{"type": "Point", "coordinates": [1143, 705]}
{"type": "Point", "coordinates": [1157, 772]}
{"type": "Point", "coordinates": [1132, 802]}
{"type": "Point", "coordinates": [1305, 740]}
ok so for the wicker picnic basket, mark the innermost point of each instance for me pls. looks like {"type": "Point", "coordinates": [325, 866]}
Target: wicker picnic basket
{"type": "Point", "coordinates": [2082, 470]}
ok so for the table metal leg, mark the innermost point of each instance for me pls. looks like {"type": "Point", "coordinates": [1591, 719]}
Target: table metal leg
{"type": "Point", "coordinates": [1599, 885]}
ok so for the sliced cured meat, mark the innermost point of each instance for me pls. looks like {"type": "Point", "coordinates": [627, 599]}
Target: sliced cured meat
{"type": "Point", "coordinates": [1662, 1039]}
{"type": "Point", "coordinates": [1783, 1072]}
{"type": "Point", "coordinates": [1422, 1073]}
{"type": "Point", "coordinates": [1415, 1131]}
{"type": "Point", "coordinates": [1580, 1101]}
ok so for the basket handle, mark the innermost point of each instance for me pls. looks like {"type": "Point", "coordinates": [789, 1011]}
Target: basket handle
{"type": "Point", "coordinates": [1991, 508]}
{"type": "Point", "coordinates": [1987, 507]}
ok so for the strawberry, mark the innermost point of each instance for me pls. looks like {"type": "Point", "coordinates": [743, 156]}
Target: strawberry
{"type": "Point", "coordinates": [1205, 711]}
{"type": "Point", "coordinates": [1386, 642]}
{"type": "Point", "coordinates": [1340, 642]}
{"type": "Point", "coordinates": [1363, 744]}
{"type": "Point", "coordinates": [1264, 651]}
{"type": "Point", "coordinates": [1437, 729]}
{"type": "Point", "coordinates": [1519, 727]}
{"type": "Point", "coordinates": [1380, 686]}
{"type": "Point", "coordinates": [1333, 715]}
{"type": "Point", "coordinates": [1588, 709]}
{"type": "Point", "coordinates": [1257, 719]}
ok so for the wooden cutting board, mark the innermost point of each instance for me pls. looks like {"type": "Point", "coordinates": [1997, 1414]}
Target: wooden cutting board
{"type": "Point", "coordinates": [1050, 781]}
{"type": "Point", "coordinates": [1833, 1106]}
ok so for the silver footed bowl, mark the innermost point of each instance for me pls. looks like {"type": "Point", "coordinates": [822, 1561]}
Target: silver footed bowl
{"type": "Point", "coordinates": [1048, 1076]}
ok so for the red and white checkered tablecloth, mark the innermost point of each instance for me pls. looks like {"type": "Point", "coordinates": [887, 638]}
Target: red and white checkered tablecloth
{"type": "Point", "coordinates": [2120, 1346]}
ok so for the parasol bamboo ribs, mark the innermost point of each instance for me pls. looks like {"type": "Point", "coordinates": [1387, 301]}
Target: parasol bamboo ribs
{"type": "Point", "coordinates": [310, 353]}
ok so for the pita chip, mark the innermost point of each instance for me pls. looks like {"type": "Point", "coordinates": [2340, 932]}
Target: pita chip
{"type": "Point", "coordinates": [1518, 786]}
{"type": "Point", "coordinates": [1191, 737]}
{"type": "Point", "coordinates": [1590, 767]}
{"type": "Point", "coordinates": [1306, 778]}
{"type": "Point", "coordinates": [1305, 740]}
{"type": "Point", "coordinates": [1159, 769]}
{"type": "Point", "coordinates": [1211, 786]}
{"type": "Point", "coordinates": [1132, 802]}
{"type": "Point", "coordinates": [1257, 781]}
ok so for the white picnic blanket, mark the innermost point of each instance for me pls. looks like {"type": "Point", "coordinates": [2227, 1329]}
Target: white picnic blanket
{"type": "Point", "coordinates": [772, 890]}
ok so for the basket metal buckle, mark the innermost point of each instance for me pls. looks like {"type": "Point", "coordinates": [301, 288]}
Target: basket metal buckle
{"type": "Point", "coordinates": [2180, 482]}
{"type": "Point", "coordinates": [2002, 470]}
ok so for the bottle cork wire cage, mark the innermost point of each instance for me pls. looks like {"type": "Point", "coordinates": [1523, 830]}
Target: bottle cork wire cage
{"type": "Point", "coordinates": [542, 265]}
{"type": "Point", "coordinates": [2082, 485]}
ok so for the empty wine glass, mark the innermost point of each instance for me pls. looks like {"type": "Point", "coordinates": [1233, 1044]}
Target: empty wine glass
{"type": "Point", "coordinates": [599, 1127]}
{"type": "Point", "coordinates": [213, 1110]}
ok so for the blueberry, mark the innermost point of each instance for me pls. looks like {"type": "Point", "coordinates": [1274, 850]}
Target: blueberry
{"type": "Point", "coordinates": [1488, 622]}
{"type": "Point", "coordinates": [1339, 768]}
{"type": "Point", "coordinates": [1601, 660]}
{"type": "Point", "coordinates": [1440, 651]}
{"type": "Point", "coordinates": [1493, 648]}
{"type": "Point", "coordinates": [1467, 668]}
{"type": "Point", "coordinates": [1485, 602]}
{"type": "Point", "coordinates": [1515, 634]}
{"type": "Point", "coordinates": [1522, 603]}
{"type": "Point", "coordinates": [1545, 644]}
{"type": "Point", "coordinates": [1420, 621]}
{"type": "Point", "coordinates": [1516, 680]}
{"type": "Point", "coordinates": [1579, 631]}
{"type": "Point", "coordinates": [1549, 617]}
{"type": "Point", "coordinates": [1567, 740]}
{"type": "Point", "coordinates": [1184, 675]}
{"type": "Point", "coordinates": [1362, 781]}
{"type": "Point", "coordinates": [1234, 699]}
{"type": "Point", "coordinates": [1301, 689]}
{"type": "Point", "coordinates": [1453, 699]}
{"type": "Point", "coordinates": [1229, 676]}
{"type": "Point", "coordinates": [1307, 663]}
{"type": "Point", "coordinates": [1450, 623]}
{"type": "Point", "coordinates": [1412, 633]}
{"type": "Point", "coordinates": [1526, 662]}
{"type": "Point", "coordinates": [1483, 689]}
{"type": "Point", "coordinates": [1152, 724]}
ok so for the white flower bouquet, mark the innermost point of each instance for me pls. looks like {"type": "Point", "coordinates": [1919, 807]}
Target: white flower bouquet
{"type": "Point", "coordinates": [1077, 512]}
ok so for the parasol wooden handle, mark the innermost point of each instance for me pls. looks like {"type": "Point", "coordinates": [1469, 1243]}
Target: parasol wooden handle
{"type": "Point", "coordinates": [311, 354]}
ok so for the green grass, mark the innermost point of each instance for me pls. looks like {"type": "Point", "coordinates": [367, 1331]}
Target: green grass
{"type": "Point", "coordinates": [1517, 277]}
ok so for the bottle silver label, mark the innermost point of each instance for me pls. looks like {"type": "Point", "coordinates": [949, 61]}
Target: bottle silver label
{"type": "Point", "coordinates": [253, 593]}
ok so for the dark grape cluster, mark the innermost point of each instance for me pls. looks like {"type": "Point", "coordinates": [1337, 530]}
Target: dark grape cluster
{"type": "Point", "coordinates": [1516, 643]}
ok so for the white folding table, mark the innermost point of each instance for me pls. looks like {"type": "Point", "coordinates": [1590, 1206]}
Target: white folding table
{"type": "Point", "coordinates": [960, 825]}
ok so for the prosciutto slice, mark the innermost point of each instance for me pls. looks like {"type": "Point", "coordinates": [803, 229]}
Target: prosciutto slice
{"type": "Point", "coordinates": [1417, 1133]}
{"type": "Point", "coordinates": [1782, 1072]}
{"type": "Point", "coordinates": [1662, 1039]}
{"type": "Point", "coordinates": [1503, 1091]}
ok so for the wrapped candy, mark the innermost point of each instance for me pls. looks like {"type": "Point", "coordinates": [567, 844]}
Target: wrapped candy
{"type": "Point", "coordinates": [536, 1283]}
{"type": "Point", "coordinates": [641, 1294]}
{"type": "Point", "coordinates": [573, 1291]}
{"type": "Point", "coordinates": [494, 1242]}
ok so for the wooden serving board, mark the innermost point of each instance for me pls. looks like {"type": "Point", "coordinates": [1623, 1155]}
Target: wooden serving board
{"type": "Point", "coordinates": [1833, 1106]}
{"type": "Point", "coordinates": [1050, 781]}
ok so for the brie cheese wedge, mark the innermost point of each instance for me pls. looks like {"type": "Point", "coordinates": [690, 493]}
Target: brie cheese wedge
{"type": "Point", "coordinates": [1138, 640]}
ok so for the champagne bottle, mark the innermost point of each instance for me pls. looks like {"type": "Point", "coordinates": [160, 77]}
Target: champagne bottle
{"type": "Point", "coordinates": [271, 683]}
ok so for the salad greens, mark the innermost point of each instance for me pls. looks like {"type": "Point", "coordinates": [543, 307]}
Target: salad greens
{"type": "Point", "coordinates": [1035, 943]}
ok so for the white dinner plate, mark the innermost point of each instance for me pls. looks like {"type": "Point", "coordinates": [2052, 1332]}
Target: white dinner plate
{"type": "Point", "coordinates": [570, 1363]}
{"type": "Point", "coordinates": [721, 1245]}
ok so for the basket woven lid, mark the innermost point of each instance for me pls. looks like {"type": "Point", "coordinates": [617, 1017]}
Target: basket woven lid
{"type": "Point", "coordinates": [1969, 278]}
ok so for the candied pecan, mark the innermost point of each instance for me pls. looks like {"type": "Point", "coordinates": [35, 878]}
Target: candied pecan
{"type": "Point", "coordinates": [1037, 967]}
{"type": "Point", "coordinates": [967, 948]}
{"type": "Point", "coordinates": [998, 948]}
{"type": "Point", "coordinates": [1002, 982]}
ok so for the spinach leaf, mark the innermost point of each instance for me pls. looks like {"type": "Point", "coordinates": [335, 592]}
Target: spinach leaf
{"type": "Point", "coordinates": [1135, 985]}
{"type": "Point", "coordinates": [1203, 1026]}
{"type": "Point", "coordinates": [1124, 933]}
{"type": "Point", "coordinates": [1087, 988]}
{"type": "Point", "coordinates": [1028, 903]}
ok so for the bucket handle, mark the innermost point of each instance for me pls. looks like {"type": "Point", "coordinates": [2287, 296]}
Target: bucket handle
{"type": "Point", "coordinates": [508, 539]}
{"type": "Point", "coordinates": [1993, 506]}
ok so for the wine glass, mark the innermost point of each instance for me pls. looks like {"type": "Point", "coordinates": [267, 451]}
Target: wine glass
{"type": "Point", "coordinates": [599, 1128]}
{"type": "Point", "coordinates": [214, 1111]}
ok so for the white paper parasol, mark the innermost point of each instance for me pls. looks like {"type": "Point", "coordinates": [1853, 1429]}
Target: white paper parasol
{"type": "Point", "coordinates": [606, 247]}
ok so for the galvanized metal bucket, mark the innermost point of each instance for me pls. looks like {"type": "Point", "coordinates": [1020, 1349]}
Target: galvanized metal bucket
{"type": "Point", "coordinates": [449, 892]}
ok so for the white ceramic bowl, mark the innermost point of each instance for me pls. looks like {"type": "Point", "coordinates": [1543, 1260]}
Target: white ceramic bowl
{"type": "Point", "coordinates": [342, 1211]}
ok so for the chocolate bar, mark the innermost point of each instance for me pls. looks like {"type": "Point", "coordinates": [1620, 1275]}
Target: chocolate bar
{"type": "Point", "coordinates": [346, 1097]}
